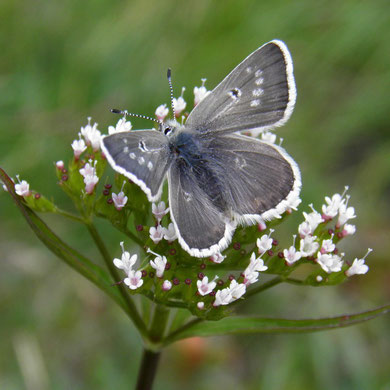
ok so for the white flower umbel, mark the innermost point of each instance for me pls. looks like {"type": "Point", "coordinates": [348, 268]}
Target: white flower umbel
{"type": "Point", "coordinates": [170, 233]}
{"type": "Point", "coordinates": [156, 233]}
{"type": "Point", "coordinates": [205, 287]}
{"type": "Point", "coordinates": [120, 127]}
{"type": "Point", "coordinates": [217, 258]}
{"type": "Point", "coordinates": [200, 93]}
{"type": "Point", "coordinates": [134, 280]}
{"type": "Point", "coordinates": [267, 136]}
{"type": "Point", "coordinates": [159, 210]}
{"type": "Point", "coordinates": [264, 243]}
{"type": "Point", "coordinates": [179, 104]}
{"type": "Point", "coordinates": [91, 135]}
{"type": "Point", "coordinates": [158, 263]}
{"type": "Point", "coordinates": [126, 262]}
{"type": "Point", "coordinates": [308, 246]}
{"type": "Point", "coordinates": [22, 188]}
{"type": "Point", "coordinates": [161, 112]}
{"type": "Point", "coordinates": [329, 262]}
{"type": "Point", "coordinates": [78, 146]}
{"type": "Point", "coordinates": [120, 200]}
{"type": "Point", "coordinates": [291, 255]}
{"type": "Point", "coordinates": [358, 266]}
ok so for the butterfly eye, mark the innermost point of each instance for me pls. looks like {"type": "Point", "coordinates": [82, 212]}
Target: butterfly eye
{"type": "Point", "coordinates": [167, 130]}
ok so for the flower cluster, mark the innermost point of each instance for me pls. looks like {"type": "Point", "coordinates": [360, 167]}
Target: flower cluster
{"type": "Point", "coordinates": [157, 233]}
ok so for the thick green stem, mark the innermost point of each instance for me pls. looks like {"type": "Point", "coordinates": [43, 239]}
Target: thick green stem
{"type": "Point", "coordinates": [148, 370]}
{"type": "Point", "coordinates": [132, 310]}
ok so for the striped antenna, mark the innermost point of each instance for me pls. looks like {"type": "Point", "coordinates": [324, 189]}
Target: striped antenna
{"type": "Point", "coordinates": [169, 73]}
{"type": "Point", "coordinates": [125, 113]}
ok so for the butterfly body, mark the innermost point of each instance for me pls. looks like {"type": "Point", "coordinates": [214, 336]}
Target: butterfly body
{"type": "Point", "coordinates": [218, 177]}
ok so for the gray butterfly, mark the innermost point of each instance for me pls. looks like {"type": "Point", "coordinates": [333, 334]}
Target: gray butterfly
{"type": "Point", "coordinates": [217, 177]}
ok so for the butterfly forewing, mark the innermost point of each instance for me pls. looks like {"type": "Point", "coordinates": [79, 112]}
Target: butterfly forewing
{"type": "Point", "coordinates": [258, 94]}
{"type": "Point", "coordinates": [143, 156]}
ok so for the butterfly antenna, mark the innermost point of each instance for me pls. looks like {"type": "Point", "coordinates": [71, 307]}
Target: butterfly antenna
{"type": "Point", "coordinates": [169, 73]}
{"type": "Point", "coordinates": [125, 113]}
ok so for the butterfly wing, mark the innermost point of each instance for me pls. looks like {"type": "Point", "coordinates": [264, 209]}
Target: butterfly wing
{"type": "Point", "coordinates": [259, 180]}
{"type": "Point", "coordinates": [258, 94]}
{"type": "Point", "coordinates": [141, 155]}
{"type": "Point", "coordinates": [202, 227]}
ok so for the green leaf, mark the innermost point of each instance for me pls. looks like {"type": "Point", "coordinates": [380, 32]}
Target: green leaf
{"type": "Point", "coordinates": [243, 325]}
{"type": "Point", "coordinates": [76, 260]}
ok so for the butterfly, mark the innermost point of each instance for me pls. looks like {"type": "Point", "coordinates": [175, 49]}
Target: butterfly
{"type": "Point", "coordinates": [218, 177]}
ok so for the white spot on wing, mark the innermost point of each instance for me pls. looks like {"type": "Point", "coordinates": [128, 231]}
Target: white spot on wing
{"type": "Point", "coordinates": [257, 92]}
{"type": "Point", "coordinates": [258, 72]}
{"type": "Point", "coordinates": [259, 81]}
{"type": "Point", "coordinates": [132, 155]}
{"type": "Point", "coordinates": [150, 165]}
{"type": "Point", "coordinates": [249, 69]}
{"type": "Point", "coordinates": [125, 149]}
{"type": "Point", "coordinates": [255, 103]}
{"type": "Point", "coordinates": [125, 140]}
{"type": "Point", "coordinates": [141, 160]}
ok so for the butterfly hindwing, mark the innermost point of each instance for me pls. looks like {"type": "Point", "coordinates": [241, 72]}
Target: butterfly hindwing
{"type": "Point", "coordinates": [142, 155]}
{"type": "Point", "coordinates": [258, 94]}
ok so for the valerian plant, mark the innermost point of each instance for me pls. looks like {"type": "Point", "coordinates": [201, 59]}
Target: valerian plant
{"type": "Point", "coordinates": [204, 292]}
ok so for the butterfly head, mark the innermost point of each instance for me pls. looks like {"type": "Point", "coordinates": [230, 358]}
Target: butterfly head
{"type": "Point", "coordinates": [170, 127]}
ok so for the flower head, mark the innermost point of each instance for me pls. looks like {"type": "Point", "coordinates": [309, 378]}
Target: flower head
{"type": "Point", "coordinates": [327, 246]}
{"type": "Point", "coordinates": [120, 200]}
{"type": "Point", "coordinates": [78, 146]}
{"type": "Point", "coordinates": [126, 262]}
{"type": "Point", "coordinates": [264, 243]}
{"type": "Point", "coordinates": [121, 126]}
{"type": "Point", "coordinates": [159, 210]}
{"type": "Point", "coordinates": [200, 93]}
{"type": "Point", "coordinates": [134, 280]}
{"type": "Point", "coordinates": [179, 104]}
{"type": "Point", "coordinates": [329, 262]}
{"type": "Point", "coordinates": [156, 233]}
{"type": "Point", "coordinates": [158, 264]}
{"type": "Point", "coordinates": [170, 233]}
{"type": "Point", "coordinates": [291, 255]}
{"type": "Point", "coordinates": [60, 165]}
{"type": "Point", "coordinates": [345, 213]}
{"type": "Point", "coordinates": [90, 182]}
{"type": "Point", "coordinates": [22, 188]}
{"type": "Point", "coordinates": [161, 112]}
{"type": "Point", "coordinates": [358, 266]}
{"type": "Point", "coordinates": [308, 246]}
{"type": "Point", "coordinates": [91, 135]}
{"type": "Point", "coordinates": [205, 287]}
{"type": "Point", "coordinates": [217, 258]}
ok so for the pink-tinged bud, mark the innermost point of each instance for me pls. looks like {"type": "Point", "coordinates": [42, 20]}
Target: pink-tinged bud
{"type": "Point", "coordinates": [60, 165]}
{"type": "Point", "coordinates": [167, 285]}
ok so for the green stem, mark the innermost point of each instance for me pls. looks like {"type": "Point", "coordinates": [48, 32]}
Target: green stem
{"type": "Point", "coordinates": [159, 323]}
{"type": "Point", "coordinates": [70, 215]}
{"type": "Point", "coordinates": [132, 310]}
{"type": "Point", "coordinates": [148, 370]}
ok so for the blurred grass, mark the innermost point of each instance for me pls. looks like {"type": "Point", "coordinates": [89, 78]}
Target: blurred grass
{"type": "Point", "coordinates": [64, 61]}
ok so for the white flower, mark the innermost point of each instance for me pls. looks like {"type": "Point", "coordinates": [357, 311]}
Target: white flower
{"type": "Point", "coordinates": [88, 169]}
{"type": "Point", "coordinates": [156, 234]}
{"type": "Point", "coordinates": [222, 297]}
{"type": "Point", "coordinates": [257, 263]}
{"type": "Point", "coordinates": [308, 246]}
{"type": "Point", "coordinates": [91, 135]}
{"type": "Point", "coordinates": [60, 165]}
{"type": "Point", "coordinates": [200, 305]}
{"type": "Point", "coordinates": [267, 136]}
{"type": "Point", "coordinates": [264, 243]}
{"type": "Point", "coordinates": [348, 230]}
{"type": "Point", "coordinates": [358, 267]}
{"type": "Point", "coordinates": [78, 146]}
{"type": "Point", "coordinates": [167, 285]}
{"type": "Point", "coordinates": [217, 258]}
{"type": "Point", "coordinates": [200, 93]}
{"type": "Point", "coordinates": [205, 287]}
{"type": "Point", "coordinates": [331, 208]}
{"type": "Point", "coordinates": [329, 262]}
{"type": "Point", "coordinates": [126, 262]}
{"type": "Point", "coordinates": [237, 290]}
{"type": "Point", "coordinates": [345, 213]}
{"type": "Point", "coordinates": [313, 219]}
{"type": "Point", "coordinates": [161, 112]}
{"type": "Point", "coordinates": [179, 104]}
{"type": "Point", "coordinates": [304, 229]}
{"type": "Point", "coordinates": [291, 255]}
{"type": "Point", "coordinates": [250, 276]}
{"type": "Point", "coordinates": [90, 183]}
{"type": "Point", "coordinates": [158, 264]}
{"type": "Point", "coordinates": [134, 280]}
{"type": "Point", "coordinates": [22, 188]}
{"type": "Point", "coordinates": [120, 200]}
{"type": "Point", "coordinates": [327, 246]}
{"type": "Point", "coordinates": [170, 233]}
{"type": "Point", "coordinates": [159, 210]}
{"type": "Point", "coordinates": [120, 127]}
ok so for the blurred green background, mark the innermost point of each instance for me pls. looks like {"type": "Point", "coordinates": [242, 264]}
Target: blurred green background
{"type": "Point", "coordinates": [62, 61]}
